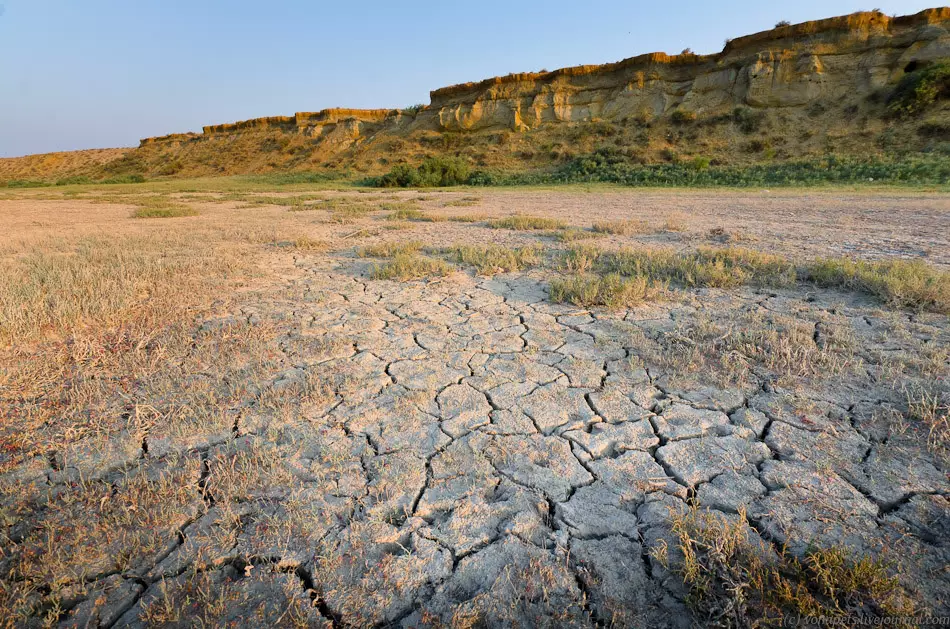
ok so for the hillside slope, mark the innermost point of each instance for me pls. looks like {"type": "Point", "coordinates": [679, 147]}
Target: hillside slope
{"type": "Point", "coordinates": [793, 92]}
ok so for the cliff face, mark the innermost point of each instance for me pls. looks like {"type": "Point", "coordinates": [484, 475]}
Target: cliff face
{"type": "Point", "coordinates": [790, 66]}
{"type": "Point", "coordinates": [786, 70]}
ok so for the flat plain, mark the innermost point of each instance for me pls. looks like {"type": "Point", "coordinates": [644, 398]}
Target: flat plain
{"type": "Point", "coordinates": [223, 403]}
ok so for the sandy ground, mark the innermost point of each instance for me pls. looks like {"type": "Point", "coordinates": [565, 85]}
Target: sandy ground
{"type": "Point", "coordinates": [460, 451]}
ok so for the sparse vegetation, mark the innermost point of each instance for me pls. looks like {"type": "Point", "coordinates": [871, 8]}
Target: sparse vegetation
{"type": "Point", "coordinates": [737, 582]}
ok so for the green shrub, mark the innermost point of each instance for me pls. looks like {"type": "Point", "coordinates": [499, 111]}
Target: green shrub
{"type": "Point", "coordinates": [610, 165]}
{"type": "Point", "coordinates": [433, 172]}
{"type": "Point", "coordinates": [920, 89]}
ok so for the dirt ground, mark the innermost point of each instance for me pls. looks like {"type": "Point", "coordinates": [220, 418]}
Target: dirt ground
{"type": "Point", "coordinates": [247, 429]}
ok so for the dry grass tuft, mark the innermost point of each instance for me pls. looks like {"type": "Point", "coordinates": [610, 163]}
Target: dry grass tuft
{"type": "Point", "coordinates": [675, 222]}
{"type": "Point", "coordinates": [306, 243]}
{"type": "Point", "coordinates": [621, 228]}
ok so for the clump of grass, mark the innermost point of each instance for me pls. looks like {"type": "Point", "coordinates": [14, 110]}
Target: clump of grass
{"type": "Point", "coordinates": [463, 202]}
{"type": "Point", "coordinates": [466, 218]}
{"type": "Point", "coordinates": [163, 212]}
{"type": "Point", "coordinates": [571, 234]}
{"type": "Point", "coordinates": [406, 214]}
{"type": "Point", "coordinates": [411, 266]}
{"type": "Point", "coordinates": [494, 258]}
{"type": "Point", "coordinates": [580, 259]}
{"type": "Point", "coordinates": [348, 213]}
{"type": "Point", "coordinates": [612, 291]}
{"type": "Point", "coordinates": [621, 228]}
{"type": "Point", "coordinates": [160, 207]}
{"type": "Point", "coordinates": [526, 223]}
{"type": "Point", "coordinates": [900, 283]}
{"type": "Point", "coordinates": [390, 249]}
{"type": "Point", "coordinates": [735, 581]}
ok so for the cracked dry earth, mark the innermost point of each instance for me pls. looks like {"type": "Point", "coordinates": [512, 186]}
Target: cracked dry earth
{"type": "Point", "coordinates": [462, 451]}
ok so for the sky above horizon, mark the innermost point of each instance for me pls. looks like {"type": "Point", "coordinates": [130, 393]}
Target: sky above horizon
{"type": "Point", "coordinates": [105, 73]}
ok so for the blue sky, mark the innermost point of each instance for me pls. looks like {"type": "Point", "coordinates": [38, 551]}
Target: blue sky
{"type": "Point", "coordinates": [101, 73]}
